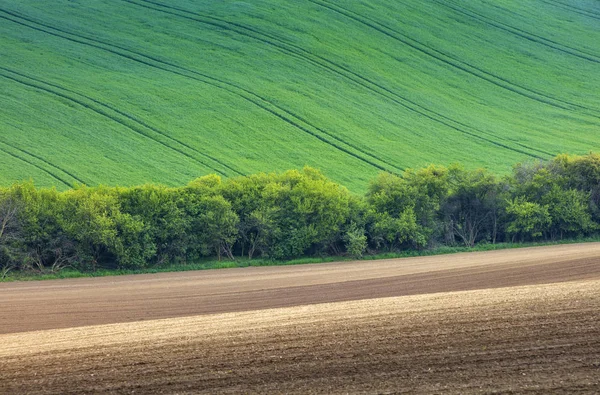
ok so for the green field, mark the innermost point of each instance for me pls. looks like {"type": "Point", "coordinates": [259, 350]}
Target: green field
{"type": "Point", "coordinates": [124, 92]}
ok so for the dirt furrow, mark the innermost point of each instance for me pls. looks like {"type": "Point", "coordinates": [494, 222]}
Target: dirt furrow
{"type": "Point", "coordinates": [79, 302]}
{"type": "Point", "coordinates": [535, 339]}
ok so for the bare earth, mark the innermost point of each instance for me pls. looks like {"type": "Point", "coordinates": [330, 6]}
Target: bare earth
{"type": "Point", "coordinates": [511, 321]}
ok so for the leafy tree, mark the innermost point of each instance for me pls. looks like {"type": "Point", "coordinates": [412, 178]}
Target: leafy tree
{"type": "Point", "coordinates": [164, 235]}
{"type": "Point", "coordinates": [406, 209]}
{"type": "Point", "coordinates": [212, 224]}
{"type": "Point", "coordinates": [103, 235]}
{"type": "Point", "coordinates": [355, 240]}
{"type": "Point", "coordinates": [527, 219]}
{"type": "Point", "coordinates": [391, 233]}
{"type": "Point", "coordinates": [583, 174]}
{"type": "Point", "coordinates": [256, 211]}
{"type": "Point", "coordinates": [569, 211]}
{"type": "Point", "coordinates": [258, 229]}
{"type": "Point", "coordinates": [472, 206]}
{"type": "Point", "coordinates": [311, 211]}
{"type": "Point", "coordinates": [390, 194]}
{"type": "Point", "coordinates": [10, 231]}
{"type": "Point", "coordinates": [532, 180]}
{"type": "Point", "coordinates": [44, 243]}
{"type": "Point", "coordinates": [10, 209]}
{"type": "Point", "coordinates": [563, 187]}
{"type": "Point", "coordinates": [205, 185]}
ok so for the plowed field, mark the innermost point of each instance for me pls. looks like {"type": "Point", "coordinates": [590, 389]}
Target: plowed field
{"type": "Point", "coordinates": [512, 321]}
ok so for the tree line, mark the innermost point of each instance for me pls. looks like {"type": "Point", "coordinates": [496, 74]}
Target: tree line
{"type": "Point", "coordinates": [294, 214]}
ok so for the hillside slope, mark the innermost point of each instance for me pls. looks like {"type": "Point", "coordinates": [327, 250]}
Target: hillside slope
{"type": "Point", "coordinates": [134, 91]}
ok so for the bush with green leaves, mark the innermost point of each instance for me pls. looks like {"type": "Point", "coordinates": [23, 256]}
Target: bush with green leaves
{"type": "Point", "coordinates": [293, 214]}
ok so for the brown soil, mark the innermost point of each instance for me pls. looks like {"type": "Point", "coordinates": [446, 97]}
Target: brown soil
{"type": "Point", "coordinates": [31, 306]}
{"type": "Point", "coordinates": [542, 338]}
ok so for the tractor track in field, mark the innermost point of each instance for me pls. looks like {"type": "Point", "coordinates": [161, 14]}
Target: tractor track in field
{"type": "Point", "coordinates": [572, 8]}
{"type": "Point", "coordinates": [254, 98]}
{"type": "Point", "coordinates": [275, 42]}
{"type": "Point", "coordinates": [29, 162]}
{"type": "Point", "coordinates": [45, 161]}
{"type": "Point", "coordinates": [457, 63]}
{"type": "Point", "coordinates": [454, 62]}
{"type": "Point", "coordinates": [339, 70]}
{"type": "Point", "coordinates": [123, 123]}
{"type": "Point", "coordinates": [103, 112]}
{"type": "Point", "coordinates": [520, 32]}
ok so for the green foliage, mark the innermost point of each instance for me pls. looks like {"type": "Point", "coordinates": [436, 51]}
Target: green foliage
{"type": "Point", "coordinates": [356, 241]}
{"type": "Point", "coordinates": [212, 225]}
{"type": "Point", "coordinates": [163, 235]}
{"type": "Point", "coordinates": [256, 211]}
{"type": "Point", "coordinates": [472, 207]}
{"type": "Point", "coordinates": [554, 198]}
{"type": "Point", "coordinates": [310, 212]}
{"type": "Point", "coordinates": [392, 233]}
{"type": "Point", "coordinates": [289, 214]}
{"type": "Point", "coordinates": [528, 219]}
{"type": "Point", "coordinates": [406, 208]}
{"type": "Point", "coordinates": [46, 245]}
{"type": "Point", "coordinates": [127, 92]}
{"type": "Point", "coordinates": [583, 174]}
{"type": "Point", "coordinates": [295, 214]}
{"type": "Point", "coordinates": [10, 231]}
{"type": "Point", "coordinates": [569, 211]}
{"type": "Point", "coordinates": [103, 235]}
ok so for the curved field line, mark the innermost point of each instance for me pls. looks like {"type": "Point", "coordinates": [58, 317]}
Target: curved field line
{"type": "Point", "coordinates": [41, 159]}
{"type": "Point", "coordinates": [339, 70]}
{"type": "Point", "coordinates": [456, 63]}
{"type": "Point", "coordinates": [103, 113]}
{"type": "Point", "coordinates": [229, 87]}
{"type": "Point", "coordinates": [452, 61]}
{"type": "Point", "coordinates": [283, 46]}
{"type": "Point", "coordinates": [572, 8]}
{"type": "Point", "coordinates": [56, 177]}
{"type": "Point", "coordinates": [261, 102]}
{"type": "Point", "coordinates": [130, 117]}
{"type": "Point", "coordinates": [520, 33]}
{"type": "Point", "coordinates": [99, 111]}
